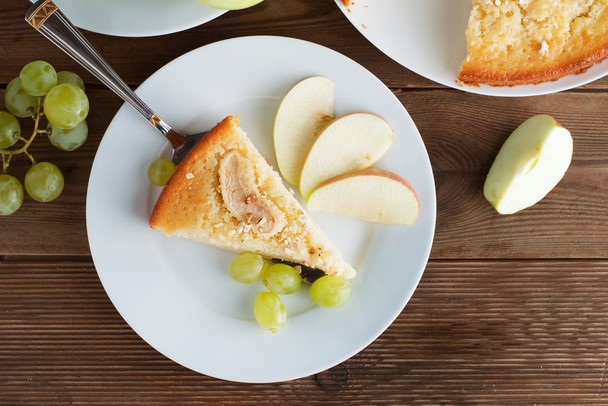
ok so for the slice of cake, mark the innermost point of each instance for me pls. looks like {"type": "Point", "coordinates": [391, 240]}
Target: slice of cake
{"type": "Point", "coordinates": [515, 42]}
{"type": "Point", "coordinates": [225, 194]}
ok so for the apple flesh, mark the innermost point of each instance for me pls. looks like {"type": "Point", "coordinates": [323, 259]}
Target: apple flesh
{"type": "Point", "coordinates": [230, 4]}
{"type": "Point", "coordinates": [373, 195]}
{"type": "Point", "coordinates": [308, 106]}
{"type": "Point", "coordinates": [348, 143]}
{"type": "Point", "coordinates": [531, 162]}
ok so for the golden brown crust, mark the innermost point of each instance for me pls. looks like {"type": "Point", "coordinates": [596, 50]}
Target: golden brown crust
{"type": "Point", "coordinates": [478, 75]}
{"type": "Point", "coordinates": [515, 42]}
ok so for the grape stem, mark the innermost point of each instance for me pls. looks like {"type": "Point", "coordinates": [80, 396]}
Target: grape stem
{"type": "Point", "coordinates": [8, 154]}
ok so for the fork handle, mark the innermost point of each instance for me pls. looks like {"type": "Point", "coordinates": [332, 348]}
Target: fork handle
{"type": "Point", "coordinates": [47, 19]}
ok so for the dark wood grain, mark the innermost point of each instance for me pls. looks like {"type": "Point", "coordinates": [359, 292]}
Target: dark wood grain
{"type": "Point", "coordinates": [510, 332]}
{"type": "Point", "coordinates": [510, 310]}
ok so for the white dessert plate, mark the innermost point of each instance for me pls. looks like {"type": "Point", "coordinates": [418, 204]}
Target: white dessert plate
{"type": "Point", "coordinates": [427, 37]}
{"type": "Point", "coordinates": [177, 294]}
{"type": "Point", "coordinates": [137, 18]}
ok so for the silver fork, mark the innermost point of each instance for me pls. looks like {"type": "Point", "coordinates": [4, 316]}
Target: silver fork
{"type": "Point", "coordinates": [46, 17]}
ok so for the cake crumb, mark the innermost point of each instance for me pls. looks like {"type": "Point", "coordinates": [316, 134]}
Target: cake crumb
{"type": "Point", "coordinates": [544, 48]}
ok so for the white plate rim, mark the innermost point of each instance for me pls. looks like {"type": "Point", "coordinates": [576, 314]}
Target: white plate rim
{"type": "Point", "coordinates": [101, 249]}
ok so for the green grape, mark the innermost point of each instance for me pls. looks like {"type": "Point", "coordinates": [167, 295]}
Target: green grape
{"type": "Point", "coordinates": [44, 182]}
{"type": "Point", "coordinates": [330, 291]}
{"type": "Point", "coordinates": [247, 267]}
{"type": "Point", "coordinates": [282, 279]}
{"type": "Point", "coordinates": [66, 105]}
{"type": "Point", "coordinates": [38, 77]}
{"type": "Point", "coordinates": [17, 101]}
{"type": "Point", "coordinates": [68, 139]}
{"type": "Point", "coordinates": [160, 171]}
{"type": "Point", "coordinates": [11, 194]}
{"type": "Point", "coordinates": [10, 130]}
{"type": "Point", "coordinates": [269, 311]}
{"type": "Point", "coordinates": [70, 77]}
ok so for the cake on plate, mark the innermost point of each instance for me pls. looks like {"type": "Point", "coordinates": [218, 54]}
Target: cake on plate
{"type": "Point", "coordinates": [516, 42]}
{"type": "Point", "coordinates": [225, 194]}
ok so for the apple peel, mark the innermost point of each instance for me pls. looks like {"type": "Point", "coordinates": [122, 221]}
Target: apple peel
{"type": "Point", "coordinates": [372, 195]}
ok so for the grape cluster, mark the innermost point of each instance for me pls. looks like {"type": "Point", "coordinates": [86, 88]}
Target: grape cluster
{"type": "Point", "coordinates": [40, 91]}
{"type": "Point", "coordinates": [282, 279]}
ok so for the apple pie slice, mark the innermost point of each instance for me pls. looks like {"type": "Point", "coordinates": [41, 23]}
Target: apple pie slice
{"type": "Point", "coordinates": [225, 194]}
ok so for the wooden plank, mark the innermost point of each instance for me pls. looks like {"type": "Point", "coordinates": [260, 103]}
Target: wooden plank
{"type": "Point", "coordinates": [462, 133]}
{"type": "Point", "coordinates": [475, 332]}
{"type": "Point", "coordinates": [320, 22]}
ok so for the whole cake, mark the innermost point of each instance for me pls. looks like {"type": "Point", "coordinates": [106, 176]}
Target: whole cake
{"type": "Point", "coordinates": [515, 42]}
{"type": "Point", "coordinates": [225, 194]}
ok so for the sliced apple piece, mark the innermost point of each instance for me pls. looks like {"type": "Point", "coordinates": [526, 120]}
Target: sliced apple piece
{"type": "Point", "coordinates": [307, 107]}
{"type": "Point", "coordinates": [348, 143]}
{"type": "Point", "coordinates": [531, 162]}
{"type": "Point", "coordinates": [373, 195]}
{"type": "Point", "coordinates": [230, 4]}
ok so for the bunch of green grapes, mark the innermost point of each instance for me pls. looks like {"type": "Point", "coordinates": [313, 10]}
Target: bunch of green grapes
{"type": "Point", "coordinates": [283, 279]}
{"type": "Point", "coordinates": [40, 92]}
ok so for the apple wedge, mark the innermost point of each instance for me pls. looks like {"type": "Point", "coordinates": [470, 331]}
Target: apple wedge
{"type": "Point", "coordinates": [308, 106]}
{"type": "Point", "coordinates": [531, 162]}
{"type": "Point", "coordinates": [373, 195]}
{"type": "Point", "coordinates": [230, 4]}
{"type": "Point", "coordinates": [348, 143]}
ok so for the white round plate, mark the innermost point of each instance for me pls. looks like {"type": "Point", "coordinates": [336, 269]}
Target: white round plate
{"type": "Point", "coordinates": [427, 37]}
{"type": "Point", "coordinates": [177, 294]}
{"type": "Point", "coordinates": [137, 18]}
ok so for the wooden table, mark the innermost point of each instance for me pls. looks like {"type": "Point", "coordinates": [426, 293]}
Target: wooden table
{"type": "Point", "coordinates": [511, 309]}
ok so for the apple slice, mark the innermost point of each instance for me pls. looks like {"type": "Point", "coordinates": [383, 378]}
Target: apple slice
{"type": "Point", "coordinates": [230, 4]}
{"type": "Point", "coordinates": [373, 195]}
{"type": "Point", "coordinates": [531, 162]}
{"type": "Point", "coordinates": [348, 143]}
{"type": "Point", "coordinates": [308, 106]}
